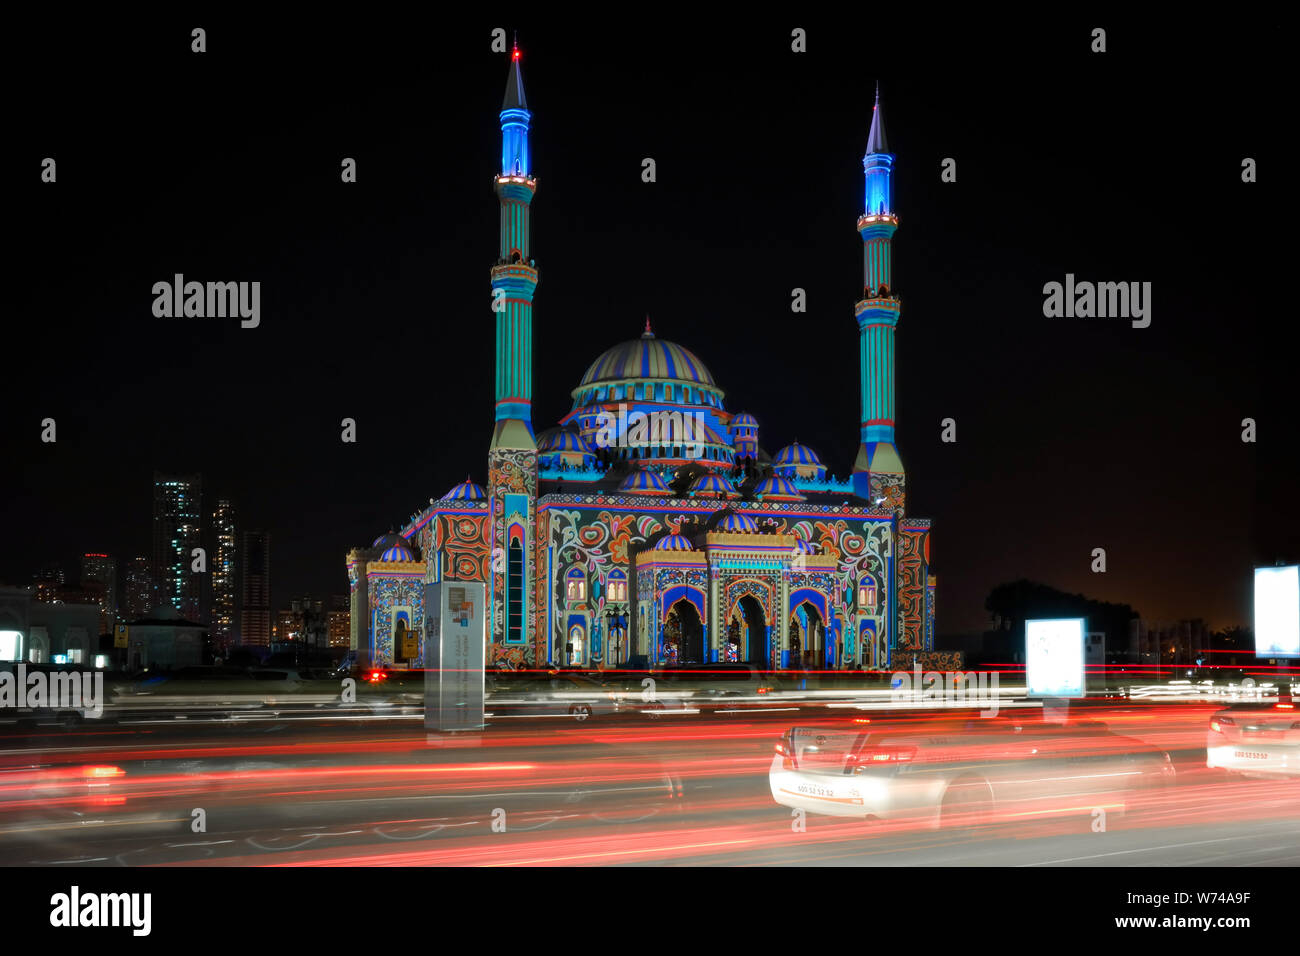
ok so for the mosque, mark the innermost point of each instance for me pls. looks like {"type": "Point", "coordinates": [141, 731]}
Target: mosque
{"type": "Point", "coordinates": [649, 526]}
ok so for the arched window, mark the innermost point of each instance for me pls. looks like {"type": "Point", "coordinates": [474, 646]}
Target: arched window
{"type": "Point", "coordinates": [575, 585]}
{"type": "Point", "coordinates": [617, 588]}
{"type": "Point", "coordinates": [866, 594]}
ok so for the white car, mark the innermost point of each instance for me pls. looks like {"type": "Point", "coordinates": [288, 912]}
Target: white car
{"type": "Point", "coordinates": [962, 772]}
{"type": "Point", "coordinates": [1256, 739]}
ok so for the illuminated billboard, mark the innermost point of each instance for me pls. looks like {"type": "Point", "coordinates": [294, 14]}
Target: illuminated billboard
{"type": "Point", "coordinates": [1054, 657]}
{"type": "Point", "coordinates": [1277, 611]}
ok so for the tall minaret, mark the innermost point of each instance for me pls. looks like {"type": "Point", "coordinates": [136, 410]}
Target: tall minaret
{"type": "Point", "coordinates": [514, 277]}
{"type": "Point", "coordinates": [512, 458]}
{"type": "Point", "coordinates": [878, 471]}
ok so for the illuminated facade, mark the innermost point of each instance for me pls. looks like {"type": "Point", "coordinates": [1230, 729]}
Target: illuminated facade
{"type": "Point", "coordinates": [648, 525]}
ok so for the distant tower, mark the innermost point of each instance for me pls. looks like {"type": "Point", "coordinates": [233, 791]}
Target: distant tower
{"type": "Point", "coordinates": [512, 458]}
{"type": "Point", "coordinates": [177, 531]}
{"type": "Point", "coordinates": [255, 569]}
{"type": "Point", "coordinates": [878, 471]}
{"type": "Point", "coordinates": [225, 589]}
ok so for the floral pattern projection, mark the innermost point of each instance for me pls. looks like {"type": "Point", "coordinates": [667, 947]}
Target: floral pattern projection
{"type": "Point", "coordinates": [601, 539]}
{"type": "Point", "coordinates": [511, 472]}
{"type": "Point", "coordinates": [386, 594]}
{"type": "Point", "coordinates": [597, 543]}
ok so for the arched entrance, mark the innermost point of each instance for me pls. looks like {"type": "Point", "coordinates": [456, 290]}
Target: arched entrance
{"type": "Point", "coordinates": [753, 630]}
{"type": "Point", "coordinates": [808, 638]}
{"type": "Point", "coordinates": [683, 634]}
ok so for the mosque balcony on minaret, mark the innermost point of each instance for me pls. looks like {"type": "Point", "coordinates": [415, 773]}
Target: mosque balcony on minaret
{"type": "Point", "coordinates": [877, 219]}
{"type": "Point", "coordinates": [517, 278]}
{"type": "Point", "coordinates": [881, 308]}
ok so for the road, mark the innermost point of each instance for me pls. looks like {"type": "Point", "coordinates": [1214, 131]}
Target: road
{"type": "Point", "coordinates": [313, 789]}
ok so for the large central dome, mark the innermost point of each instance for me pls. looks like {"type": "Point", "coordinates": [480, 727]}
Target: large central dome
{"type": "Point", "coordinates": [652, 401]}
{"type": "Point", "coordinates": [648, 358]}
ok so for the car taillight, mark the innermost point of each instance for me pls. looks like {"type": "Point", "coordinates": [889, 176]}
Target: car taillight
{"type": "Point", "coordinates": [102, 773]}
{"type": "Point", "coordinates": [1285, 706]}
{"type": "Point", "coordinates": [785, 748]}
{"type": "Point", "coordinates": [763, 690]}
{"type": "Point", "coordinates": [1217, 723]}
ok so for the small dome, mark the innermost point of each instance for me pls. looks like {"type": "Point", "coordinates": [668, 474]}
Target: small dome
{"type": "Point", "coordinates": [562, 439]}
{"type": "Point", "coordinates": [713, 486]}
{"type": "Point", "coordinates": [796, 454]}
{"type": "Point", "coordinates": [744, 420]}
{"type": "Point", "coordinates": [777, 488]}
{"type": "Point", "coordinates": [397, 552]}
{"type": "Point", "coordinates": [674, 542]}
{"type": "Point", "coordinates": [644, 483]}
{"type": "Point", "coordinates": [466, 491]}
{"type": "Point", "coordinates": [805, 547]}
{"type": "Point", "coordinates": [796, 460]}
{"type": "Point", "coordinates": [738, 524]}
{"type": "Point", "coordinates": [390, 540]}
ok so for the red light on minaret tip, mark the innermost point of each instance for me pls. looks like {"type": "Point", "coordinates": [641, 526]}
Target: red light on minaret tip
{"type": "Point", "coordinates": [516, 53]}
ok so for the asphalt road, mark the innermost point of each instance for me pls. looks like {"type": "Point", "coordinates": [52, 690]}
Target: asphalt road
{"type": "Point", "coordinates": [315, 789]}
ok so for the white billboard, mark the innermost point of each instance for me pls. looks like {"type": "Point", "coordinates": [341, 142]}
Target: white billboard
{"type": "Point", "coordinates": [1054, 657]}
{"type": "Point", "coordinates": [1277, 611]}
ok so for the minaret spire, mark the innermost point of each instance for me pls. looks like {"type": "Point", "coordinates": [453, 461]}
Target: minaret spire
{"type": "Point", "coordinates": [876, 138]}
{"type": "Point", "coordinates": [878, 473]}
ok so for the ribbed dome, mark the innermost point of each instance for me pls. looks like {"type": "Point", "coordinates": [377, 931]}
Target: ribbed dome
{"type": "Point", "coordinates": [398, 552]}
{"type": "Point", "coordinates": [562, 439]}
{"type": "Point", "coordinates": [713, 486]}
{"type": "Point", "coordinates": [466, 491]}
{"type": "Point", "coordinates": [796, 454]}
{"type": "Point", "coordinates": [744, 420]}
{"type": "Point", "coordinates": [738, 524]}
{"type": "Point", "coordinates": [776, 488]}
{"type": "Point", "coordinates": [644, 483]}
{"type": "Point", "coordinates": [674, 542]}
{"type": "Point", "coordinates": [648, 357]}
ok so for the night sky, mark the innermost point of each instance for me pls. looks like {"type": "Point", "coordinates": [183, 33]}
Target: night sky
{"type": "Point", "coordinates": [1072, 433]}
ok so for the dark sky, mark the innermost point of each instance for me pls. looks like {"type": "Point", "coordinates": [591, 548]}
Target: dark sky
{"type": "Point", "coordinates": [1072, 434]}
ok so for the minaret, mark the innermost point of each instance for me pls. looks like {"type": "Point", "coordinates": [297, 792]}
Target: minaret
{"type": "Point", "coordinates": [514, 277]}
{"type": "Point", "coordinates": [512, 458]}
{"type": "Point", "coordinates": [878, 471]}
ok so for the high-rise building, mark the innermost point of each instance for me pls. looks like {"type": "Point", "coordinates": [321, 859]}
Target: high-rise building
{"type": "Point", "coordinates": [255, 564]}
{"type": "Point", "coordinates": [101, 569]}
{"type": "Point", "coordinates": [339, 622]}
{"type": "Point", "coordinates": [177, 531]}
{"type": "Point", "coordinates": [47, 582]}
{"type": "Point", "coordinates": [224, 576]}
{"type": "Point", "coordinates": [139, 598]}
